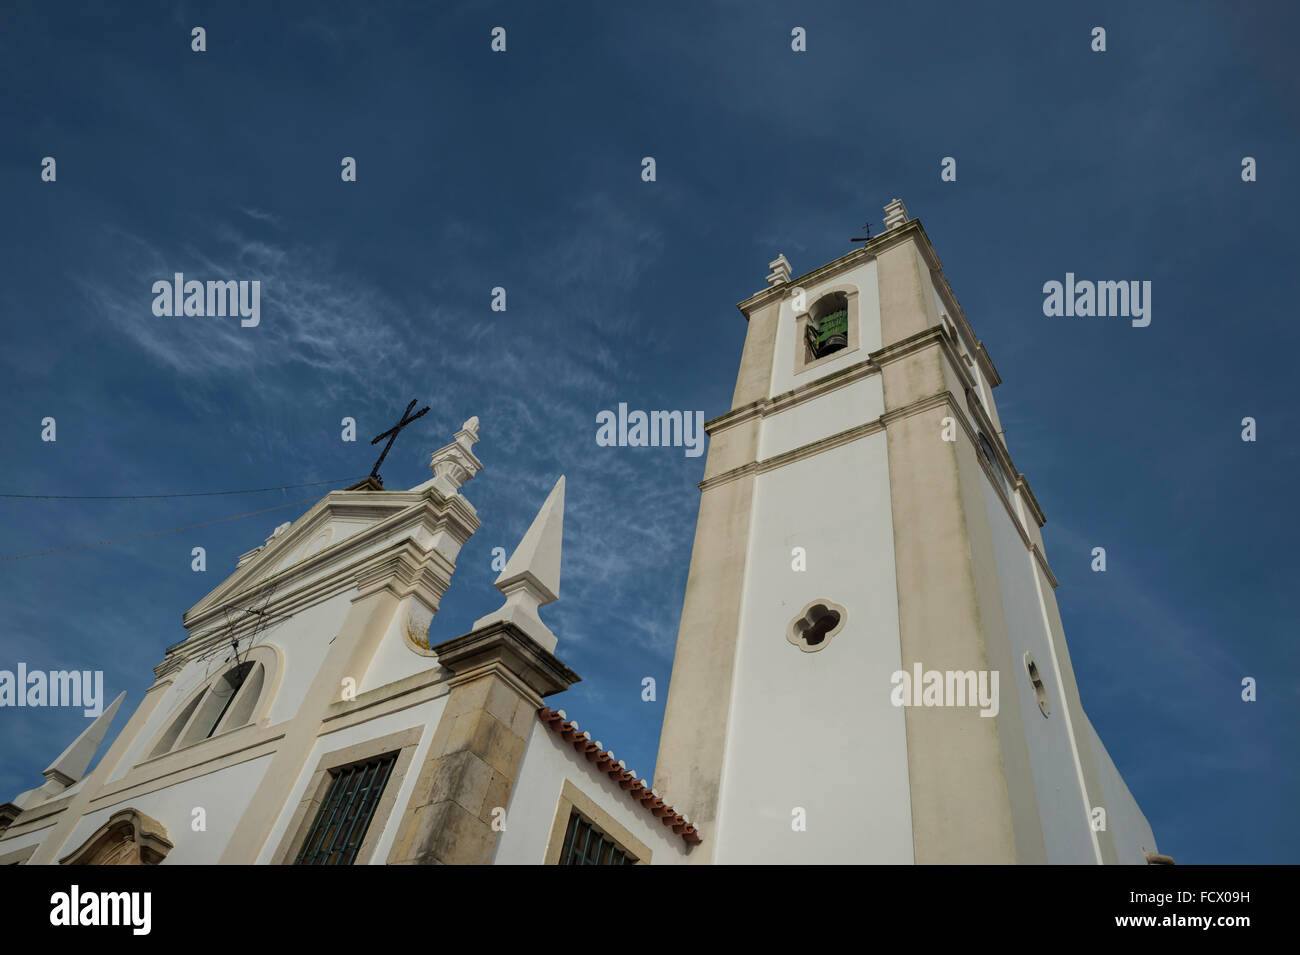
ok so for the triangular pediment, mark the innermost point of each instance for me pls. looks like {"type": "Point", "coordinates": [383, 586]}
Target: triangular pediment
{"type": "Point", "coordinates": [313, 540]}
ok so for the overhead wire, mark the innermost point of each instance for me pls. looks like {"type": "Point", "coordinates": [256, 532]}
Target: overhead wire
{"type": "Point", "coordinates": [173, 530]}
{"type": "Point", "coordinates": [151, 497]}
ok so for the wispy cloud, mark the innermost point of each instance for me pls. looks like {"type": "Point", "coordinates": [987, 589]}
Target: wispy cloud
{"type": "Point", "coordinates": [260, 216]}
{"type": "Point", "coordinates": [627, 509]}
{"type": "Point", "coordinates": [347, 331]}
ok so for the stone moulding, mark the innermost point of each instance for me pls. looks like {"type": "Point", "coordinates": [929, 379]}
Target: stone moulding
{"type": "Point", "coordinates": [129, 837]}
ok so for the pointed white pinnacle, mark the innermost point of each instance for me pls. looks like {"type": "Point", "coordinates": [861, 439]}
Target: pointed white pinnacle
{"type": "Point", "coordinates": [531, 577]}
{"type": "Point", "coordinates": [75, 760]}
{"type": "Point", "coordinates": [538, 554]}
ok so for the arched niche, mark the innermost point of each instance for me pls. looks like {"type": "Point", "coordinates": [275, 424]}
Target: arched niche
{"type": "Point", "coordinates": [129, 837]}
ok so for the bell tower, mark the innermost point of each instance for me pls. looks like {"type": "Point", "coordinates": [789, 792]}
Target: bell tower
{"type": "Point", "coordinates": [862, 525]}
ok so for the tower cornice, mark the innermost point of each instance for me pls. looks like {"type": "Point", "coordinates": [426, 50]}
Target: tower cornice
{"type": "Point", "coordinates": [849, 260]}
{"type": "Point", "coordinates": [911, 229]}
{"type": "Point", "coordinates": [972, 417]}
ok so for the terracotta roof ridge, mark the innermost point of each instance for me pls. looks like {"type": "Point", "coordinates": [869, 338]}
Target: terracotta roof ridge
{"type": "Point", "coordinates": [617, 770]}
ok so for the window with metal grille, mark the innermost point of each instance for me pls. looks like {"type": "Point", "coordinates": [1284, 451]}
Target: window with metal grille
{"type": "Point", "coordinates": [346, 811]}
{"type": "Point", "coordinates": [584, 844]}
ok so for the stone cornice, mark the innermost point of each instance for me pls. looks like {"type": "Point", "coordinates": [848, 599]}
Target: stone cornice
{"type": "Point", "coordinates": [428, 508]}
{"type": "Point", "coordinates": [872, 248]}
{"type": "Point", "coordinates": [253, 742]}
{"type": "Point", "coordinates": [955, 311]}
{"type": "Point", "coordinates": [505, 649]}
{"type": "Point", "coordinates": [1022, 485]}
{"type": "Point", "coordinates": [1042, 562]}
{"type": "Point", "coordinates": [918, 341]}
{"type": "Point", "coordinates": [986, 362]}
{"type": "Point", "coordinates": [788, 399]}
{"type": "Point", "coordinates": [169, 667]}
{"type": "Point", "coordinates": [420, 570]}
{"type": "Point", "coordinates": [217, 752]}
{"type": "Point", "coordinates": [41, 816]}
{"type": "Point", "coordinates": [945, 398]}
{"type": "Point", "coordinates": [926, 338]}
{"type": "Point", "coordinates": [935, 334]}
{"type": "Point", "coordinates": [795, 454]}
{"type": "Point", "coordinates": [403, 571]}
{"type": "Point", "coordinates": [401, 694]}
{"type": "Point", "coordinates": [1000, 490]}
{"type": "Point", "coordinates": [849, 260]}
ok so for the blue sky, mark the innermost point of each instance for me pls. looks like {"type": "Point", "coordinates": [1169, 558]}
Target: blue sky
{"type": "Point", "coordinates": [523, 170]}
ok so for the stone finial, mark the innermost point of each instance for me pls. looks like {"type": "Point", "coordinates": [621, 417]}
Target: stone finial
{"type": "Point", "coordinates": [467, 436]}
{"type": "Point", "coordinates": [455, 463]}
{"type": "Point", "coordinates": [275, 535]}
{"type": "Point", "coordinates": [780, 273]}
{"type": "Point", "coordinates": [895, 214]}
{"type": "Point", "coordinates": [73, 762]}
{"type": "Point", "coordinates": [279, 530]}
{"type": "Point", "coordinates": [531, 577]}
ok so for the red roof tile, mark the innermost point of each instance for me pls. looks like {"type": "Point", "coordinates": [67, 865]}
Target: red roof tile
{"type": "Point", "coordinates": [559, 722]}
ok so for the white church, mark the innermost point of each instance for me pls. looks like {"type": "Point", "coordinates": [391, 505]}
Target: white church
{"type": "Point", "coordinates": [870, 665]}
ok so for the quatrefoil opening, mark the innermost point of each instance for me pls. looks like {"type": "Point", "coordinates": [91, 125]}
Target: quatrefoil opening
{"type": "Point", "coordinates": [815, 625]}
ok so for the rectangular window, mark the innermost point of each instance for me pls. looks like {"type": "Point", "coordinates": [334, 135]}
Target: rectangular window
{"type": "Point", "coordinates": [345, 812]}
{"type": "Point", "coordinates": [584, 844]}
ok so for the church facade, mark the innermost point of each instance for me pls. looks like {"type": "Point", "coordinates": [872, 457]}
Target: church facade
{"type": "Point", "coordinates": [870, 663]}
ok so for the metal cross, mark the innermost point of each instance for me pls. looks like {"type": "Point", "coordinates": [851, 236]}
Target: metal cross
{"type": "Point", "coordinates": [391, 435]}
{"type": "Point", "coordinates": [864, 238]}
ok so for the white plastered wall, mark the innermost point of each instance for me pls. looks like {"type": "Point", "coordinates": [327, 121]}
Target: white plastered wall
{"type": "Point", "coordinates": [817, 731]}
{"type": "Point", "coordinates": [303, 640]}
{"type": "Point", "coordinates": [1058, 778]}
{"type": "Point", "coordinates": [221, 795]}
{"type": "Point", "coordinates": [1129, 827]}
{"type": "Point", "coordinates": [821, 417]}
{"type": "Point", "coordinates": [13, 843]}
{"type": "Point", "coordinates": [425, 715]}
{"type": "Point", "coordinates": [394, 657]}
{"type": "Point", "coordinates": [548, 761]}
